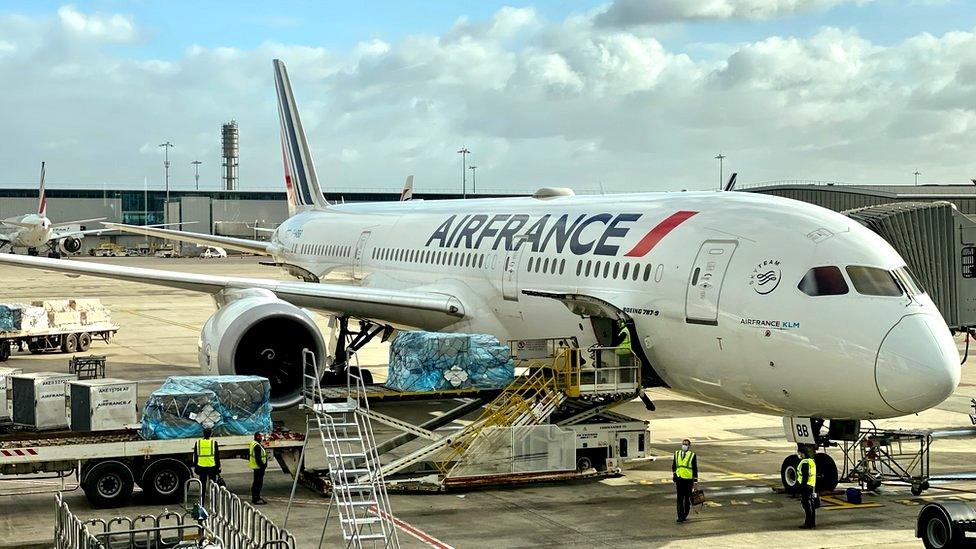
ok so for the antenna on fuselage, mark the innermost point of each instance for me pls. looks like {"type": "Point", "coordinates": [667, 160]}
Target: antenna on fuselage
{"type": "Point", "coordinates": [731, 183]}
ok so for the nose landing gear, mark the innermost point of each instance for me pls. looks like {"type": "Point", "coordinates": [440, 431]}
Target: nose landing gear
{"type": "Point", "coordinates": [806, 433]}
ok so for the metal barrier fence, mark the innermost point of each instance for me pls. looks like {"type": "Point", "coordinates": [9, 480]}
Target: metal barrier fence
{"type": "Point", "coordinates": [230, 523]}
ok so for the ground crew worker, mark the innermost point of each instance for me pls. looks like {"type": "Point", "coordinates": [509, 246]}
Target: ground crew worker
{"type": "Point", "coordinates": [806, 473]}
{"type": "Point", "coordinates": [257, 458]}
{"type": "Point", "coordinates": [206, 458]}
{"type": "Point", "coordinates": [623, 349]}
{"type": "Point", "coordinates": [684, 470]}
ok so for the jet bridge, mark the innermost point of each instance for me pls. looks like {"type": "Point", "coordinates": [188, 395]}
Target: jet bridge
{"type": "Point", "coordinates": [939, 245]}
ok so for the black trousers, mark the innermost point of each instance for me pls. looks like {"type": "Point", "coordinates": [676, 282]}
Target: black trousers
{"type": "Point", "coordinates": [206, 475]}
{"type": "Point", "coordinates": [809, 511]}
{"type": "Point", "coordinates": [257, 484]}
{"type": "Point", "coordinates": [684, 486]}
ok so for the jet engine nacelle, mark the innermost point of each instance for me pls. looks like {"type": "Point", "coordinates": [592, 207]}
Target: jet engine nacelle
{"type": "Point", "coordinates": [255, 333]}
{"type": "Point", "coordinates": [70, 245]}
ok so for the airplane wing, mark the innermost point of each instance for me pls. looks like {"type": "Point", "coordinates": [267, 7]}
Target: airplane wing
{"type": "Point", "coordinates": [78, 222]}
{"type": "Point", "coordinates": [416, 309]}
{"type": "Point", "coordinates": [86, 232]}
{"type": "Point", "coordinates": [240, 244]}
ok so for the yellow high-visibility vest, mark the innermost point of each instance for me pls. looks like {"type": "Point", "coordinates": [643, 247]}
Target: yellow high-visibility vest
{"type": "Point", "coordinates": [205, 453]}
{"type": "Point", "coordinates": [252, 455]}
{"type": "Point", "coordinates": [683, 464]}
{"type": "Point", "coordinates": [812, 479]}
{"type": "Point", "coordinates": [624, 348]}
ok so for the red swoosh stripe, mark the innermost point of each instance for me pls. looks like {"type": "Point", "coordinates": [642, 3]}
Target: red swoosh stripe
{"type": "Point", "coordinates": [659, 231]}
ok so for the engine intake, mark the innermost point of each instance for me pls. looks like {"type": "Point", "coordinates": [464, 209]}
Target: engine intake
{"type": "Point", "coordinates": [70, 245]}
{"type": "Point", "coordinates": [259, 334]}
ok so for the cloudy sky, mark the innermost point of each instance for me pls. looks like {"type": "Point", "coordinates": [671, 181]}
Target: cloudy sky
{"type": "Point", "coordinates": [626, 95]}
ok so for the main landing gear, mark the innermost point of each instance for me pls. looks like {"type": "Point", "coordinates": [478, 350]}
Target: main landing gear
{"type": "Point", "coordinates": [803, 431]}
{"type": "Point", "coordinates": [348, 342]}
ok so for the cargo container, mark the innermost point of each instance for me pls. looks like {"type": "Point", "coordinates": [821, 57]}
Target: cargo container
{"type": "Point", "coordinates": [5, 407]}
{"type": "Point", "coordinates": [101, 404]}
{"type": "Point", "coordinates": [38, 400]}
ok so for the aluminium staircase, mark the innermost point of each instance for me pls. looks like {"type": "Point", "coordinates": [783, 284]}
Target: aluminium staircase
{"type": "Point", "coordinates": [346, 434]}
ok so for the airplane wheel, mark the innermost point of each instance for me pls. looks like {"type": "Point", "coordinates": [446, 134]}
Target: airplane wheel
{"type": "Point", "coordinates": [826, 472]}
{"type": "Point", "coordinates": [32, 251]}
{"type": "Point", "coordinates": [789, 474]}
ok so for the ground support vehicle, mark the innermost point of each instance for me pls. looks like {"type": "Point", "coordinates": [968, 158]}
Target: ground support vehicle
{"type": "Point", "coordinates": [108, 465]}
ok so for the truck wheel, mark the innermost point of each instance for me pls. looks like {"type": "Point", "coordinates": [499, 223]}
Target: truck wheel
{"type": "Point", "coordinates": [108, 484]}
{"type": "Point", "coordinates": [69, 344]}
{"type": "Point", "coordinates": [84, 341]}
{"type": "Point", "coordinates": [164, 480]}
{"type": "Point", "coordinates": [4, 350]}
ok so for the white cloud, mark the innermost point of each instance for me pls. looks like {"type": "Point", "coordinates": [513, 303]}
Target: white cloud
{"type": "Point", "coordinates": [626, 13]}
{"type": "Point", "coordinates": [566, 103]}
{"type": "Point", "coordinates": [107, 28]}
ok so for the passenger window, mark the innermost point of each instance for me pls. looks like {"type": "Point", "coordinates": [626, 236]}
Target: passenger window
{"type": "Point", "coordinates": [606, 269]}
{"type": "Point", "coordinates": [562, 266]}
{"type": "Point", "coordinates": [821, 281]}
{"type": "Point", "coordinates": [626, 270]}
{"type": "Point", "coordinates": [647, 272]}
{"type": "Point", "coordinates": [588, 264]}
{"type": "Point", "coordinates": [531, 263]}
{"type": "Point", "coordinates": [873, 281]}
{"type": "Point", "coordinates": [579, 267]}
{"type": "Point", "coordinates": [636, 270]}
{"type": "Point", "coordinates": [596, 269]}
{"type": "Point", "coordinates": [616, 270]}
{"type": "Point", "coordinates": [481, 261]}
{"type": "Point", "coordinates": [545, 265]}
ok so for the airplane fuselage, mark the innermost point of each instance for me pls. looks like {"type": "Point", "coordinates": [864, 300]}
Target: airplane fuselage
{"type": "Point", "coordinates": [710, 280]}
{"type": "Point", "coordinates": [34, 231]}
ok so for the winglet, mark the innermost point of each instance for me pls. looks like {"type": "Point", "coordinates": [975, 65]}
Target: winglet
{"type": "Point", "coordinates": [42, 199]}
{"type": "Point", "coordinates": [407, 192]}
{"type": "Point", "coordinates": [301, 182]}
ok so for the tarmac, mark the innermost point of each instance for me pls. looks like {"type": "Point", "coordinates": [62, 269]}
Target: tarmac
{"type": "Point", "coordinates": [739, 453]}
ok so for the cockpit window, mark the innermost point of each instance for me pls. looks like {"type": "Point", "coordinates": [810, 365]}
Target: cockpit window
{"type": "Point", "coordinates": [909, 281]}
{"type": "Point", "coordinates": [873, 281]}
{"type": "Point", "coordinates": [823, 281]}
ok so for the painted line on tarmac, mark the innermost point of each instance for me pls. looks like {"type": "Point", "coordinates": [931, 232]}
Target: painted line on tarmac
{"type": "Point", "coordinates": [158, 319]}
{"type": "Point", "coordinates": [411, 529]}
{"type": "Point", "coordinates": [840, 504]}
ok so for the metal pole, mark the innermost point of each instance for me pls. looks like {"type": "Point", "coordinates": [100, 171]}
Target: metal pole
{"type": "Point", "coordinates": [721, 171]}
{"type": "Point", "coordinates": [474, 180]}
{"type": "Point", "coordinates": [464, 171]}
{"type": "Point", "coordinates": [166, 146]}
{"type": "Point", "coordinates": [917, 173]}
{"type": "Point", "coordinates": [196, 172]}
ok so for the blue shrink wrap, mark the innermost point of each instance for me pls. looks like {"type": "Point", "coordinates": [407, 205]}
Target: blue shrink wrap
{"type": "Point", "coordinates": [429, 361]}
{"type": "Point", "coordinates": [232, 405]}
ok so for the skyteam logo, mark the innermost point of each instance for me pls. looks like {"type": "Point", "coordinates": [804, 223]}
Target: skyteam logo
{"type": "Point", "coordinates": [766, 276]}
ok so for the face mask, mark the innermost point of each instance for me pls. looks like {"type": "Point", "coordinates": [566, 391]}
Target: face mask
{"type": "Point", "coordinates": [684, 447]}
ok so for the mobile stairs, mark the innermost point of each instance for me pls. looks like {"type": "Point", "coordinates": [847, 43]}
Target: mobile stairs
{"type": "Point", "coordinates": [355, 475]}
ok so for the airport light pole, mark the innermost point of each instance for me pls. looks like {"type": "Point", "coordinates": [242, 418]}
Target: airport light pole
{"type": "Point", "coordinates": [474, 181]}
{"type": "Point", "coordinates": [917, 173]}
{"type": "Point", "coordinates": [196, 172]}
{"type": "Point", "coordinates": [166, 147]}
{"type": "Point", "coordinates": [464, 152]}
{"type": "Point", "coordinates": [721, 172]}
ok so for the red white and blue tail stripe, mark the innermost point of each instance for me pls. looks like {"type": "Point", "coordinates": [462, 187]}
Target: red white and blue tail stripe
{"type": "Point", "coordinates": [42, 199]}
{"type": "Point", "coordinates": [301, 183]}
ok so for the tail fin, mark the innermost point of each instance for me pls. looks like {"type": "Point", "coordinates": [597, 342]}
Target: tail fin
{"type": "Point", "coordinates": [301, 183]}
{"type": "Point", "coordinates": [407, 192]}
{"type": "Point", "coordinates": [42, 198]}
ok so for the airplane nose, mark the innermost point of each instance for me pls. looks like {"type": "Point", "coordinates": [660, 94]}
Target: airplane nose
{"type": "Point", "coordinates": [917, 365]}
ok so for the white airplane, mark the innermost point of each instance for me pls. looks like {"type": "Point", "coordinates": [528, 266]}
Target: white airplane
{"type": "Point", "coordinates": [744, 300]}
{"type": "Point", "coordinates": [35, 231]}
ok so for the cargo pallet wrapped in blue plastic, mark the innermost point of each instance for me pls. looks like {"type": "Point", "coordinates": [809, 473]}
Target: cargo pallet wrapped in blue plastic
{"type": "Point", "coordinates": [428, 361]}
{"type": "Point", "coordinates": [184, 405]}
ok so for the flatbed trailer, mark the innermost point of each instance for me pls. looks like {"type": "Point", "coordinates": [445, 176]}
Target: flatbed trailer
{"type": "Point", "coordinates": [109, 464]}
{"type": "Point", "coordinates": [67, 338]}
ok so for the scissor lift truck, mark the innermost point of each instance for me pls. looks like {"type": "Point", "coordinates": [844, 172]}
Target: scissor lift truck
{"type": "Point", "coordinates": [107, 465]}
{"type": "Point", "coordinates": [553, 422]}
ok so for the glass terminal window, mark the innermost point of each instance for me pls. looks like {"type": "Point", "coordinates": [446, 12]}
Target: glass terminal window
{"type": "Point", "coordinates": [821, 281]}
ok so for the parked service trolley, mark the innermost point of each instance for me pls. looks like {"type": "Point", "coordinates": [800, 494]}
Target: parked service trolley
{"type": "Point", "coordinates": [108, 465]}
{"type": "Point", "coordinates": [38, 400]}
{"type": "Point", "coordinates": [54, 325]}
{"type": "Point", "coordinates": [5, 406]}
{"type": "Point", "coordinates": [101, 404]}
